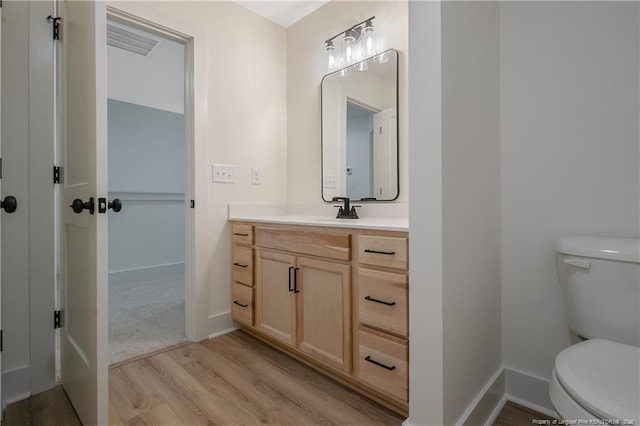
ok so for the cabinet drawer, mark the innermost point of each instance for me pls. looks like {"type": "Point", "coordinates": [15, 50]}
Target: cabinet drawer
{"type": "Point", "coordinates": [317, 242]}
{"type": "Point", "coordinates": [242, 234]}
{"type": "Point", "coordinates": [382, 298]}
{"type": "Point", "coordinates": [242, 304]}
{"type": "Point", "coordinates": [383, 363]}
{"type": "Point", "coordinates": [391, 252]}
{"type": "Point", "coordinates": [242, 265]}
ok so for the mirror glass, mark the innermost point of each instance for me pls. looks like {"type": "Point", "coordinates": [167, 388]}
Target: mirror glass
{"type": "Point", "coordinates": [360, 130]}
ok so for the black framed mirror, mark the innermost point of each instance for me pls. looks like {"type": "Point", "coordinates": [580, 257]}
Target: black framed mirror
{"type": "Point", "coordinates": [360, 130]}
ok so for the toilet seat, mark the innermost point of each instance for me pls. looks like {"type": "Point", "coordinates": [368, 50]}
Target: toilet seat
{"type": "Point", "coordinates": [602, 377]}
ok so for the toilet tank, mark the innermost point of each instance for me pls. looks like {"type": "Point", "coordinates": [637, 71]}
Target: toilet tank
{"type": "Point", "coordinates": [600, 282]}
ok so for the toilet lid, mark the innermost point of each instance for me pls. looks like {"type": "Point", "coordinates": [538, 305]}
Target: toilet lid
{"type": "Point", "coordinates": [603, 376]}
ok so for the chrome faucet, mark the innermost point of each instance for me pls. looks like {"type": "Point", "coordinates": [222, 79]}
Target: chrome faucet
{"type": "Point", "coordinates": [346, 211]}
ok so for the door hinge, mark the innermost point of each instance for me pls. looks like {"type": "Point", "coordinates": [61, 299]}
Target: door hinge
{"type": "Point", "coordinates": [1, 341]}
{"type": "Point", "coordinates": [56, 174]}
{"type": "Point", "coordinates": [56, 319]}
{"type": "Point", "coordinates": [0, 160]}
{"type": "Point", "coordinates": [56, 26]}
{"type": "Point", "coordinates": [193, 204]}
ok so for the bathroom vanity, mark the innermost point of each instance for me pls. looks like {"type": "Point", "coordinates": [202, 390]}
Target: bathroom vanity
{"type": "Point", "coordinates": [333, 294]}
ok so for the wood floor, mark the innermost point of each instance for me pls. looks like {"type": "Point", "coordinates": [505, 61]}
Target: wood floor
{"type": "Point", "coordinates": [233, 379]}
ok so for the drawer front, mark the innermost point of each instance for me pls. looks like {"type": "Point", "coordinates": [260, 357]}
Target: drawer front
{"type": "Point", "coordinates": [390, 252]}
{"type": "Point", "coordinates": [383, 300]}
{"type": "Point", "coordinates": [383, 363]}
{"type": "Point", "coordinates": [242, 265]}
{"type": "Point", "coordinates": [317, 242]}
{"type": "Point", "coordinates": [242, 304]}
{"type": "Point", "coordinates": [242, 234]}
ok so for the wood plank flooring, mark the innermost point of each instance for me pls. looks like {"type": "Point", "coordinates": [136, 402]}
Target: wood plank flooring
{"type": "Point", "coordinates": [233, 379]}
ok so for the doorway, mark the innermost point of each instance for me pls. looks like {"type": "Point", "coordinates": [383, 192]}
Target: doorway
{"type": "Point", "coordinates": [147, 143]}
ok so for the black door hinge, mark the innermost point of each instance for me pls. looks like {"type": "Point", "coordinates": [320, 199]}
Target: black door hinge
{"type": "Point", "coordinates": [56, 319]}
{"type": "Point", "coordinates": [56, 174]}
{"type": "Point", "coordinates": [56, 26]}
{"type": "Point", "coordinates": [1, 341]}
{"type": "Point", "coordinates": [193, 204]}
{"type": "Point", "coordinates": [0, 160]}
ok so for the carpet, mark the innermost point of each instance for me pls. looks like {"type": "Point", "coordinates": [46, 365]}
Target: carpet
{"type": "Point", "coordinates": [145, 316]}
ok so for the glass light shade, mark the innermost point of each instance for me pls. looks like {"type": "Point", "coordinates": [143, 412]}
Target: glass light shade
{"type": "Point", "coordinates": [382, 58]}
{"type": "Point", "coordinates": [348, 44]}
{"type": "Point", "coordinates": [332, 63]}
{"type": "Point", "coordinates": [368, 40]}
{"type": "Point", "coordinates": [362, 66]}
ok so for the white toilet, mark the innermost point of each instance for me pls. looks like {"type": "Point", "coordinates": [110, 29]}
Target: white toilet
{"type": "Point", "coordinates": [598, 380]}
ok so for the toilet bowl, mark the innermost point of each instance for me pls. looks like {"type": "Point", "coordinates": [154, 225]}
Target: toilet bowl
{"type": "Point", "coordinates": [597, 381]}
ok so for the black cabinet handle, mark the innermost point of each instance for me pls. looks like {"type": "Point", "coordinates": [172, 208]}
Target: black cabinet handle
{"type": "Point", "coordinates": [379, 364]}
{"type": "Point", "coordinates": [371, 299]}
{"type": "Point", "coordinates": [78, 205]}
{"type": "Point", "coordinates": [295, 280]}
{"type": "Point", "coordinates": [290, 269]}
{"type": "Point", "coordinates": [9, 204]}
{"type": "Point", "coordinates": [239, 304]}
{"type": "Point", "coordinates": [388, 253]}
{"type": "Point", "coordinates": [240, 235]}
{"type": "Point", "coordinates": [240, 265]}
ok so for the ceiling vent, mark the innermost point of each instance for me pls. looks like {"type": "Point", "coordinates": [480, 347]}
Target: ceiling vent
{"type": "Point", "coordinates": [128, 40]}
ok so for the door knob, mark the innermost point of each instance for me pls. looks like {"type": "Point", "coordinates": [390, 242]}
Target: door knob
{"type": "Point", "coordinates": [9, 204]}
{"type": "Point", "coordinates": [103, 205]}
{"type": "Point", "coordinates": [78, 205]}
{"type": "Point", "coordinates": [116, 205]}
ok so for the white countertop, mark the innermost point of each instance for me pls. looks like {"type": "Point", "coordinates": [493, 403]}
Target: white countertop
{"type": "Point", "coordinates": [377, 223]}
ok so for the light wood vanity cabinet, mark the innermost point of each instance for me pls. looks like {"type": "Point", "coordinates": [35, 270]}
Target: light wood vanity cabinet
{"type": "Point", "coordinates": [242, 292]}
{"type": "Point", "coordinates": [335, 298]}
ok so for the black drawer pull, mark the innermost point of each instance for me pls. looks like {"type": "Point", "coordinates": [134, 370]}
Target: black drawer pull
{"type": "Point", "coordinates": [371, 299]}
{"type": "Point", "coordinates": [290, 269]}
{"type": "Point", "coordinates": [379, 364]}
{"type": "Point", "coordinates": [240, 235]}
{"type": "Point", "coordinates": [240, 265]}
{"type": "Point", "coordinates": [388, 253]}
{"type": "Point", "coordinates": [239, 304]}
{"type": "Point", "coordinates": [295, 280]}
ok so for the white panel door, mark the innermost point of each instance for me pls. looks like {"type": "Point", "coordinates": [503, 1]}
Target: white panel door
{"type": "Point", "coordinates": [0, 214]}
{"type": "Point", "coordinates": [385, 154]}
{"type": "Point", "coordinates": [83, 235]}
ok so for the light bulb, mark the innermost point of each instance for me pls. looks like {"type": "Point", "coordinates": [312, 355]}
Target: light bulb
{"type": "Point", "coordinates": [349, 41]}
{"type": "Point", "coordinates": [331, 60]}
{"type": "Point", "coordinates": [362, 66]}
{"type": "Point", "coordinates": [368, 40]}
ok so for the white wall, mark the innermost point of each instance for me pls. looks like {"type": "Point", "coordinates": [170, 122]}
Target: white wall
{"type": "Point", "coordinates": [156, 81]}
{"type": "Point", "coordinates": [471, 201]}
{"type": "Point", "coordinates": [425, 216]}
{"type": "Point", "coordinates": [147, 173]}
{"type": "Point", "coordinates": [306, 65]}
{"type": "Point", "coordinates": [242, 58]}
{"type": "Point", "coordinates": [569, 155]}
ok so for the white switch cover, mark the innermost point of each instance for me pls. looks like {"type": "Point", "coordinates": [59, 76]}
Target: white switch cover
{"type": "Point", "coordinates": [330, 181]}
{"type": "Point", "coordinates": [256, 176]}
{"type": "Point", "coordinates": [223, 173]}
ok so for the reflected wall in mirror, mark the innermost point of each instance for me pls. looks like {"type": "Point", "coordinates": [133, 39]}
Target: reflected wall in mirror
{"type": "Point", "coordinates": [360, 131]}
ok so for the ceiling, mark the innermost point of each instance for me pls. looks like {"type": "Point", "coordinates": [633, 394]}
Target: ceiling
{"type": "Point", "coordinates": [284, 12]}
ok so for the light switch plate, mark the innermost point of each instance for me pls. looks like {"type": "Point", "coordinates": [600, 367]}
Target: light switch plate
{"type": "Point", "coordinates": [256, 176]}
{"type": "Point", "coordinates": [330, 181]}
{"type": "Point", "coordinates": [223, 173]}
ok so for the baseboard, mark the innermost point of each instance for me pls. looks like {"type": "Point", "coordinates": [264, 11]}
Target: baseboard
{"type": "Point", "coordinates": [529, 391]}
{"type": "Point", "coordinates": [221, 324]}
{"type": "Point", "coordinates": [145, 273]}
{"type": "Point", "coordinates": [16, 385]}
{"type": "Point", "coordinates": [486, 402]}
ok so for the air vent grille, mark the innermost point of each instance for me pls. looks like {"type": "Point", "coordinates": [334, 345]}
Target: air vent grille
{"type": "Point", "coordinates": [130, 41]}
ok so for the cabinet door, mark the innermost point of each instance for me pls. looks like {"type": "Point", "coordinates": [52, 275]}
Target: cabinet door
{"type": "Point", "coordinates": [324, 312]}
{"type": "Point", "coordinates": [275, 303]}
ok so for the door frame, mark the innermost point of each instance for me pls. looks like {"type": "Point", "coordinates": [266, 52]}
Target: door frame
{"type": "Point", "coordinates": [147, 19]}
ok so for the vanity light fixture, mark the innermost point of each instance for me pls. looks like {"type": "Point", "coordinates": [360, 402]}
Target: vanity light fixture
{"type": "Point", "coordinates": [358, 44]}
